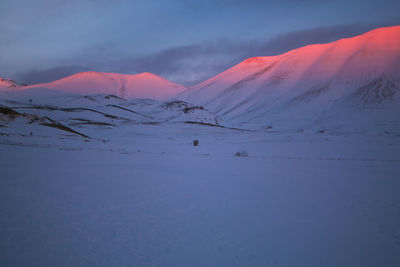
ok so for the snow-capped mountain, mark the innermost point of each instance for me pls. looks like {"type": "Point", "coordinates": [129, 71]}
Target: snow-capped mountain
{"type": "Point", "coordinates": [352, 84]}
{"type": "Point", "coordinates": [308, 85]}
{"type": "Point", "coordinates": [7, 84]}
{"type": "Point", "coordinates": [144, 85]}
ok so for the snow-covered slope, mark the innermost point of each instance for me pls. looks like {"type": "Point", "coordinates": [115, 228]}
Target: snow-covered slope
{"type": "Point", "coordinates": [35, 109]}
{"type": "Point", "coordinates": [310, 84]}
{"type": "Point", "coordinates": [7, 84]}
{"type": "Point", "coordinates": [144, 85]}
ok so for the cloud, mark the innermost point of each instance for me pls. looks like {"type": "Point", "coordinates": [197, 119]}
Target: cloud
{"type": "Point", "coordinates": [192, 64]}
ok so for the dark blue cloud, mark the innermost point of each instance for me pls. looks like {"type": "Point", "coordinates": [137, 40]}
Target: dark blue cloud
{"type": "Point", "coordinates": [41, 76]}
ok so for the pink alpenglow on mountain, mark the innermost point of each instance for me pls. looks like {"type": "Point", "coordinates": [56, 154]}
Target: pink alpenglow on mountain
{"type": "Point", "coordinates": [6, 84]}
{"type": "Point", "coordinates": [144, 85]}
{"type": "Point", "coordinates": [308, 80]}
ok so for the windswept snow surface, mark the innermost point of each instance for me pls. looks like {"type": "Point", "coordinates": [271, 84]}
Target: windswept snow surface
{"type": "Point", "coordinates": [148, 197]}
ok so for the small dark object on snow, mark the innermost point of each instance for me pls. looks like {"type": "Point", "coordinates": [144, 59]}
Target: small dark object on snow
{"type": "Point", "coordinates": [242, 153]}
{"type": "Point", "coordinates": [195, 142]}
{"type": "Point", "coordinates": [31, 133]}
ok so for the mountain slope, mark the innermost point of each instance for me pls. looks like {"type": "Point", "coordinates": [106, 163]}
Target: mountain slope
{"type": "Point", "coordinates": [301, 86]}
{"type": "Point", "coordinates": [7, 84]}
{"type": "Point", "coordinates": [144, 85]}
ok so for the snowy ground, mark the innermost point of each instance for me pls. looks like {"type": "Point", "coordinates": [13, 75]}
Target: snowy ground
{"type": "Point", "coordinates": [143, 195]}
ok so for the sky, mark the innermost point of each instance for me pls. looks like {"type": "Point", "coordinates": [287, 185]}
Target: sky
{"type": "Point", "coordinates": [181, 40]}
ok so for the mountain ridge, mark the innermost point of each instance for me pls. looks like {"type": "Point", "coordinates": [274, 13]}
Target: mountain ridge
{"type": "Point", "coordinates": [314, 78]}
{"type": "Point", "coordinates": [293, 90]}
{"type": "Point", "coordinates": [142, 85]}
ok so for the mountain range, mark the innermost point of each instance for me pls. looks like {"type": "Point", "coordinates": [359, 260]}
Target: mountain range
{"type": "Point", "coordinates": [347, 83]}
{"type": "Point", "coordinates": [143, 85]}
